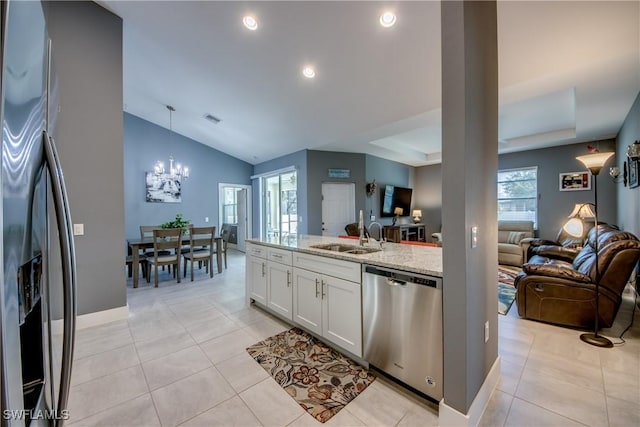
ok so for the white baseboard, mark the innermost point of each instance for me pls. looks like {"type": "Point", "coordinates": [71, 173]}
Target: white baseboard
{"type": "Point", "coordinates": [94, 319]}
{"type": "Point", "coordinates": [450, 417]}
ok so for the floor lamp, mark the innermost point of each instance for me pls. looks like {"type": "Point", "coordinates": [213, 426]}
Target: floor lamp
{"type": "Point", "coordinates": [594, 162]}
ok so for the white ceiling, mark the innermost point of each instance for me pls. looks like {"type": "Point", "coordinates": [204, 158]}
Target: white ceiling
{"type": "Point", "coordinates": [568, 72]}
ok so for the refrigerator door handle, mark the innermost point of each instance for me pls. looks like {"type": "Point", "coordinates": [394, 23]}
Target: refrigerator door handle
{"type": "Point", "coordinates": [67, 248]}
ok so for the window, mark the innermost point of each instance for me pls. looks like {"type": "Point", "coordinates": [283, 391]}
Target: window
{"type": "Point", "coordinates": [518, 195]}
{"type": "Point", "coordinates": [280, 207]}
{"type": "Point", "coordinates": [230, 205]}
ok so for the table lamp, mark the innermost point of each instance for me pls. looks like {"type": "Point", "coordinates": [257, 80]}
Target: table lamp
{"type": "Point", "coordinates": [417, 215]}
{"type": "Point", "coordinates": [397, 212]}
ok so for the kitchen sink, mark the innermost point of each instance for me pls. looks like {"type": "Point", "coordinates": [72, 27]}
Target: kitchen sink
{"type": "Point", "coordinates": [348, 249]}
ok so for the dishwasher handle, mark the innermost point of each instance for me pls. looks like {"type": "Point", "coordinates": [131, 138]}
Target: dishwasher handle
{"type": "Point", "coordinates": [392, 282]}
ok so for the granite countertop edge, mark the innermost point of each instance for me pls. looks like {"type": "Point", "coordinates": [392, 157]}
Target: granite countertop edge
{"type": "Point", "coordinates": [409, 258]}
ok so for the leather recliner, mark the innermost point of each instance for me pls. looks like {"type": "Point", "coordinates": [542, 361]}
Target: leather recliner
{"type": "Point", "coordinates": [565, 247]}
{"type": "Point", "coordinates": [561, 292]}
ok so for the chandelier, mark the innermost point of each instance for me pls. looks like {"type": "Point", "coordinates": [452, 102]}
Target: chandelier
{"type": "Point", "coordinates": [177, 171]}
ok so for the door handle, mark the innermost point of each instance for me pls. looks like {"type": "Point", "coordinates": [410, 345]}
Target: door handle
{"type": "Point", "coordinates": [288, 278]}
{"type": "Point", "coordinates": [263, 270]}
{"type": "Point", "coordinates": [68, 255]}
{"type": "Point", "coordinates": [317, 288]}
{"type": "Point", "coordinates": [323, 291]}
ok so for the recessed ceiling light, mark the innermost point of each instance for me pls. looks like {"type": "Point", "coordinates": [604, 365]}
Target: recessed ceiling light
{"type": "Point", "coordinates": [387, 19]}
{"type": "Point", "coordinates": [251, 23]}
{"type": "Point", "coordinates": [308, 72]}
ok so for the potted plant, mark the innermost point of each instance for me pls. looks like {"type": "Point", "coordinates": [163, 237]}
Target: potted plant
{"type": "Point", "coordinates": [178, 222]}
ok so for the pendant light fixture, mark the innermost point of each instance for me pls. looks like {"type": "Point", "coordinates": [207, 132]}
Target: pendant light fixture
{"type": "Point", "coordinates": [177, 171]}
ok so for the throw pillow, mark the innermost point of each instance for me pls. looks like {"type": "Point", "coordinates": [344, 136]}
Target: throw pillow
{"type": "Point", "coordinates": [515, 237]}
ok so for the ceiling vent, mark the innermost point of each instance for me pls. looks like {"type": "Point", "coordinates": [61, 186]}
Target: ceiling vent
{"type": "Point", "coordinates": [212, 119]}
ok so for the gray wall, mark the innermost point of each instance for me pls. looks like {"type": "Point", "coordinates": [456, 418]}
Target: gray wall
{"type": "Point", "coordinates": [387, 172]}
{"type": "Point", "coordinates": [555, 205]}
{"type": "Point", "coordinates": [469, 165]}
{"type": "Point", "coordinates": [313, 165]}
{"type": "Point", "coordinates": [144, 144]}
{"type": "Point", "coordinates": [628, 198]}
{"type": "Point", "coordinates": [317, 172]}
{"type": "Point", "coordinates": [299, 161]}
{"type": "Point", "coordinates": [87, 45]}
{"type": "Point", "coordinates": [427, 196]}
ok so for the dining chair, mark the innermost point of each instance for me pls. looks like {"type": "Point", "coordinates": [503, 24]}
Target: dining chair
{"type": "Point", "coordinates": [225, 234]}
{"type": "Point", "coordinates": [142, 262]}
{"type": "Point", "coordinates": [146, 231]}
{"type": "Point", "coordinates": [200, 249]}
{"type": "Point", "coordinates": [168, 241]}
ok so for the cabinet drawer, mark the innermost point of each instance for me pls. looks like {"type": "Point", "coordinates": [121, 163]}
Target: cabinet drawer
{"type": "Point", "coordinates": [256, 250]}
{"type": "Point", "coordinates": [330, 266]}
{"type": "Point", "coordinates": [283, 256]}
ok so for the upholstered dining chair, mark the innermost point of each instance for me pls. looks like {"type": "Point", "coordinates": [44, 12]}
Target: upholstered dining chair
{"type": "Point", "coordinates": [168, 241]}
{"type": "Point", "coordinates": [200, 249]}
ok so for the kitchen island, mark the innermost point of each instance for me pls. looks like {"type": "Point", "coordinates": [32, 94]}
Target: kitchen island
{"type": "Point", "coordinates": [410, 258]}
{"type": "Point", "coordinates": [359, 299]}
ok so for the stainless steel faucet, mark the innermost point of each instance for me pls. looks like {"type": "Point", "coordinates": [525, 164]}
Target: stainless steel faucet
{"type": "Point", "coordinates": [361, 230]}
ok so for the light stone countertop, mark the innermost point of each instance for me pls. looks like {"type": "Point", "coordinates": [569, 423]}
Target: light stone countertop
{"type": "Point", "coordinates": [412, 258]}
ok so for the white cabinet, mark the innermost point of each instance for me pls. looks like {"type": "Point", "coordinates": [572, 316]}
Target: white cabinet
{"type": "Point", "coordinates": [256, 273]}
{"type": "Point", "coordinates": [279, 282]}
{"type": "Point", "coordinates": [307, 301]}
{"type": "Point", "coordinates": [321, 294]}
{"type": "Point", "coordinates": [342, 314]}
{"type": "Point", "coordinates": [326, 305]}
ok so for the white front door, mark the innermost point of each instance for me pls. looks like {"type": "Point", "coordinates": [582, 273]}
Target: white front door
{"type": "Point", "coordinates": [338, 207]}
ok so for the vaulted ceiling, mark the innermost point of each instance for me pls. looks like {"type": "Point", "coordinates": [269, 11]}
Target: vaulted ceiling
{"type": "Point", "coordinates": [568, 72]}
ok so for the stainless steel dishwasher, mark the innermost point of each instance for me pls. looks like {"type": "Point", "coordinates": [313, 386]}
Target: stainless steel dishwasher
{"type": "Point", "coordinates": [402, 325]}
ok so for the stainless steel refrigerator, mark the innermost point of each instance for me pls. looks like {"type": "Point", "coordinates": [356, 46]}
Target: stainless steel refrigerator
{"type": "Point", "coordinates": [37, 298]}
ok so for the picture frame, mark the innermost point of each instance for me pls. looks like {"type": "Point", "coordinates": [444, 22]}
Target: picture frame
{"type": "Point", "coordinates": [162, 188]}
{"type": "Point", "coordinates": [574, 181]}
{"type": "Point", "coordinates": [633, 173]}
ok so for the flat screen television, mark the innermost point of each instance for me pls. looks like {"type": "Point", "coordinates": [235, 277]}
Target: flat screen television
{"type": "Point", "coordinates": [395, 197]}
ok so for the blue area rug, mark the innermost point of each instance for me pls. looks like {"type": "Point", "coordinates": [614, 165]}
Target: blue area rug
{"type": "Point", "coordinates": [506, 291]}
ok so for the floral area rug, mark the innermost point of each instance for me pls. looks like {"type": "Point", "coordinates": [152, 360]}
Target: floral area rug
{"type": "Point", "coordinates": [506, 291]}
{"type": "Point", "coordinates": [319, 378]}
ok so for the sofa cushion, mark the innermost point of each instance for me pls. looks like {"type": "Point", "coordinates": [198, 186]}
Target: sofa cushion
{"type": "Point", "coordinates": [515, 237]}
{"type": "Point", "coordinates": [505, 228]}
{"type": "Point", "coordinates": [556, 269]}
{"type": "Point", "coordinates": [509, 248]}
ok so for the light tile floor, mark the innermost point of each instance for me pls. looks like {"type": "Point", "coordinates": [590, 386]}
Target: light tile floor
{"type": "Point", "coordinates": [180, 359]}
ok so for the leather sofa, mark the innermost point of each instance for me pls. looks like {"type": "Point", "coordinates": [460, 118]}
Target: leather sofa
{"type": "Point", "coordinates": [513, 241]}
{"type": "Point", "coordinates": [565, 247]}
{"type": "Point", "coordinates": [562, 292]}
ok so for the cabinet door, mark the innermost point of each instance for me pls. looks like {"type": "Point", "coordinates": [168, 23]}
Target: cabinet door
{"type": "Point", "coordinates": [257, 279]}
{"type": "Point", "coordinates": [307, 302]}
{"type": "Point", "coordinates": [280, 293]}
{"type": "Point", "coordinates": [342, 314]}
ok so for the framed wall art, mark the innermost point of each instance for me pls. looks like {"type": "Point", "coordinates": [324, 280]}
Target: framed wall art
{"type": "Point", "coordinates": [162, 188]}
{"type": "Point", "coordinates": [633, 173]}
{"type": "Point", "coordinates": [575, 181]}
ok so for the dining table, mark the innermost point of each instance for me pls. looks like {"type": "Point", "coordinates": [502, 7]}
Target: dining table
{"type": "Point", "coordinates": [135, 245]}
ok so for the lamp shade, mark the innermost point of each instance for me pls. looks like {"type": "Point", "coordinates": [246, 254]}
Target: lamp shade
{"type": "Point", "coordinates": [574, 227]}
{"type": "Point", "coordinates": [398, 211]}
{"type": "Point", "coordinates": [582, 210]}
{"type": "Point", "coordinates": [417, 212]}
{"type": "Point", "coordinates": [595, 161]}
